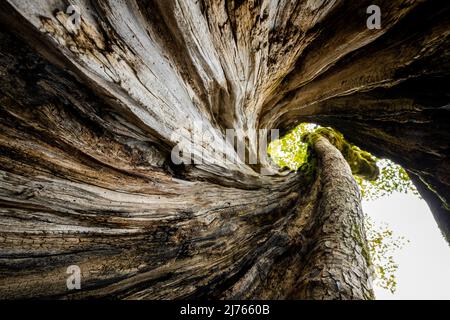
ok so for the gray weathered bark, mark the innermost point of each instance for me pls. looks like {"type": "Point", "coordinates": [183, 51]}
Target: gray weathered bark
{"type": "Point", "coordinates": [337, 255]}
{"type": "Point", "coordinates": [87, 123]}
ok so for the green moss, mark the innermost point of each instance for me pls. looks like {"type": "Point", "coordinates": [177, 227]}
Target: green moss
{"type": "Point", "coordinates": [362, 163]}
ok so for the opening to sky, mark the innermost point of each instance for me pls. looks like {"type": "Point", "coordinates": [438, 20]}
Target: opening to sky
{"type": "Point", "coordinates": [424, 262]}
{"type": "Point", "coordinates": [393, 203]}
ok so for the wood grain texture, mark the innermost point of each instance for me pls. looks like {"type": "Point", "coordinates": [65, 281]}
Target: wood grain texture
{"type": "Point", "coordinates": [87, 123]}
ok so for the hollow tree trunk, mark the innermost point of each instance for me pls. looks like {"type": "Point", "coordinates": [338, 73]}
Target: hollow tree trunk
{"type": "Point", "coordinates": [89, 115]}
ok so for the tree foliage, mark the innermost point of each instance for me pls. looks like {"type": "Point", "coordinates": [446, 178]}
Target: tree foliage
{"type": "Point", "coordinates": [290, 151]}
{"type": "Point", "coordinates": [383, 245]}
{"type": "Point", "coordinates": [392, 178]}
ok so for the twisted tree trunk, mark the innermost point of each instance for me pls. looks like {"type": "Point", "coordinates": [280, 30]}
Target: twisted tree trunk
{"type": "Point", "coordinates": [90, 112]}
{"type": "Point", "coordinates": [337, 259]}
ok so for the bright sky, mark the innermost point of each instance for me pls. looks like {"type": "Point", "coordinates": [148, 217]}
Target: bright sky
{"type": "Point", "coordinates": [424, 263]}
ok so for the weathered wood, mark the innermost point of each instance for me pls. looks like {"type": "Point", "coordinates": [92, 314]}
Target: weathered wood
{"type": "Point", "coordinates": [88, 117]}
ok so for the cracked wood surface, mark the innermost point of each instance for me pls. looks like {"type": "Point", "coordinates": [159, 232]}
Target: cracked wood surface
{"type": "Point", "coordinates": [87, 123]}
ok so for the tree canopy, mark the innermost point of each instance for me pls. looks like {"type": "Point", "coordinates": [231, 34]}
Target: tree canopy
{"type": "Point", "coordinates": [87, 177]}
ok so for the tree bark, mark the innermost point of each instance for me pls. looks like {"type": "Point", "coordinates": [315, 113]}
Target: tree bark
{"type": "Point", "coordinates": [338, 260]}
{"type": "Point", "coordinates": [88, 117]}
